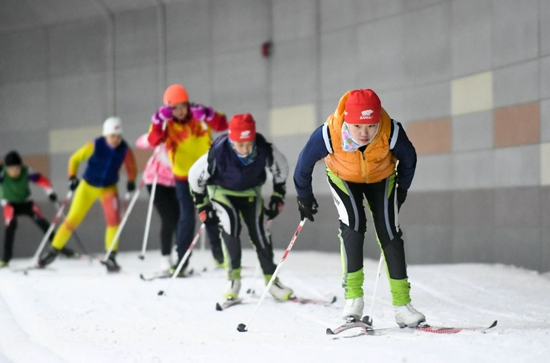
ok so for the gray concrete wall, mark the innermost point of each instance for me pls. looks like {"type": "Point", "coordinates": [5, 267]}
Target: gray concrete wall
{"type": "Point", "coordinates": [469, 80]}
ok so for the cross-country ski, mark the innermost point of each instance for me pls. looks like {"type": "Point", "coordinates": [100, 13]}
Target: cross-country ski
{"type": "Point", "coordinates": [360, 328]}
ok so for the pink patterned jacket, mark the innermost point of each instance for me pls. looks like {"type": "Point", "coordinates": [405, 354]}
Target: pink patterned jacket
{"type": "Point", "coordinates": [158, 163]}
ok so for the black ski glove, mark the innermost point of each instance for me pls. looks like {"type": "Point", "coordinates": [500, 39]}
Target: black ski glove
{"type": "Point", "coordinates": [401, 196]}
{"type": "Point", "coordinates": [308, 207]}
{"type": "Point", "coordinates": [208, 216]}
{"type": "Point", "coordinates": [199, 199]}
{"type": "Point", "coordinates": [274, 207]}
{"type": "Point", "coordinates": [130, 186]}
{"type": "Point", "coordinates": [53, 197]}
{"type": "Point", "coordinates": [73, 183]}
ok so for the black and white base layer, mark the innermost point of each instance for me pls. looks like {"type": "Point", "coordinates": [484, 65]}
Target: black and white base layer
{"type": "Point", "coordinates": [366, 329]}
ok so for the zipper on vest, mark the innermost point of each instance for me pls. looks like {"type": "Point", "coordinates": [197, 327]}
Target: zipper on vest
{"type": "Point", "coordinates": [364, 167]}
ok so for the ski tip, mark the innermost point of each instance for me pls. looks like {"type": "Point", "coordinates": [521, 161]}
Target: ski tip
{"type": "Point", "coordinates": [241, 328]}
{"type": "Point", "coordinates": [330, 332]}
{"type": "Point", "coordinates": [218, 307]}
{"type": "Point", "coordinates": [160, 293]}
{"type": "Point", "coordinates": [142, 277]}
{"type": "Point", "coordinates": [333, 299]}
{"type": "Point", "coordinates": [493, 325]}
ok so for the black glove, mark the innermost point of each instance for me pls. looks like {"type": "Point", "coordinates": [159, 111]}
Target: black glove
{"type": "Point", "coordinates": [198, 199]}
{"type": "Point", "coordinates": [274, 207]}
{"type": "Point", "coordinates": [130, 186]}
{"type": "Point", "coordinates": [53, 197]}
{"type": "Point", "coordinates": [401, 196]}
{"type": "Point", "coordinates": [73, 183]}
{"type": "Point", "coordinates": [207, 215]}
{"type": "Point", "coordinates": [308, 207]}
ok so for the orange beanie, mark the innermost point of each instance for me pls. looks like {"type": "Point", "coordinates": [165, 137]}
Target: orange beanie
{"type": "Point", "coordinates": [175, 94]}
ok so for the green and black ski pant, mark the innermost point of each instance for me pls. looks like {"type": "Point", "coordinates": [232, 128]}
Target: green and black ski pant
{"type": "Point", "coordinates": [382, 203]}
{"type": "Point", "coordinates": [230, 209]}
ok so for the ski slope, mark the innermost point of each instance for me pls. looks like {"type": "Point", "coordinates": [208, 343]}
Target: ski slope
{"type": "Point", "coordinates": [76, 312]}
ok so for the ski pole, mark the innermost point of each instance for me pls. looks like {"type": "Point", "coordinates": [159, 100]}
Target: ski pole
{"type": "Point", "coordinates": [76, 237]}
{"type": "Point", "coordinates": [369, 317]}
{"type": "Point", "coordinates": [182, 262]}
{"type": "Point", "coordinates": [203, 251]}
{"type": "Point", "coordinates": [257, 266]}
{"type": "Point", "coordinates": [52, 226]}
{"type": "Point", "coordinates": [243, 327]}
{"type": "Point", "coordinates": [81, 245]}
{"type": "Point", "coordinates": [122, 223]}
{"type": "Point", "coordinates": [149, 215]}
{"type": "Point", "coordinates": [125, 202]}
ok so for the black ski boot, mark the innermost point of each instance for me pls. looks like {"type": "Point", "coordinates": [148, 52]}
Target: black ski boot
{"type": "Point", "coordinates": [48, 257]}
{"type": "Point", "coordinates": [69, 253]}
{"type": "Point", "coordinates": [111, 264]}
{"type": "Point", "coordinates": [183, 272]}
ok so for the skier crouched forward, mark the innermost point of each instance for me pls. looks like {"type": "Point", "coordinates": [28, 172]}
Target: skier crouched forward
{"type": "Point", "coordinates": [361, 145]}
{"type": "Point", "coordinates": [229, 178]}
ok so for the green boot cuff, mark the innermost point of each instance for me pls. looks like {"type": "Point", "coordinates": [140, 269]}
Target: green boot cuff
{"type": "Point", "coordinates": [400, 292]}
{"type": "Point", "coordinates": [353, 284]}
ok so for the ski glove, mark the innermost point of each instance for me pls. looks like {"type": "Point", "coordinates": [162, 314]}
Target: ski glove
{"type": "Point", "coordinates": [401, 196]}
{"type": "Point", "coordinates": [130, 186]}
{"type": "Point", "coordinates": [53, 197]}
{"type": "Point", "coordinates": [9, 213]}
{"type": "Point", "coordinates": [199, 199]}
{"type": "Point", "coordinates": [275, 207]}
{"type": "Point", "coordinates": [163, 114]}
{"type": "Point", "coordinates": [73, 183]}
{"type": "Point", "coordinates": [208, 216]}
{"type": "Point", "coordinates": [308, 207]}
{"type": "Point", "coordinates": [202, 113]}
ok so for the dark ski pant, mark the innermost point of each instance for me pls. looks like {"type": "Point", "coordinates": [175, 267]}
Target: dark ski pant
{"type": "Point", "coordinates": [382, 203]}
{"type": "Point", "coordinates": [28, 208]}
{"type": "Point", "coordinates": [186, 223]}
{"type": "Point", "coordinates": [167, 206]}
{"type": "Point", "coordinates": [230, 209]}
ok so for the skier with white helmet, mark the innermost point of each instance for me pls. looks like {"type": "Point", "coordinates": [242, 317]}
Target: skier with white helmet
{"type": "Point", "coordinates": [105, 155]}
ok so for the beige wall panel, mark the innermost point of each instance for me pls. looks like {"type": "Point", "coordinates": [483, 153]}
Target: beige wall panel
{"type": "Point", "coordinates": [293, 120]}
{"type": "Point", "coordinates": [431, 136]}
{"type": "Point", "coordinates": [70, 140]}
{"type": "Point", "coordinates": [40, 163]}
{"type": "Point", "coordinates": [517, 125]}
{"type": "Point", "coordinates": [472, 94]}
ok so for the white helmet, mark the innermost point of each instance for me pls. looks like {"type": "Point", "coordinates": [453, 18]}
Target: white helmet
{"type": "Point", "coordinates": [112, 126]}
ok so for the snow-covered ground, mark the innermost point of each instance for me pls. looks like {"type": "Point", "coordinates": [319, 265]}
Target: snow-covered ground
{"type": "Point", "coordinates": [76, 312]}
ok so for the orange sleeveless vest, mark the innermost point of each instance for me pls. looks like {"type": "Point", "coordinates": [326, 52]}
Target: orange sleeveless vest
{"type": "Point", "coordinates": [370, 166]}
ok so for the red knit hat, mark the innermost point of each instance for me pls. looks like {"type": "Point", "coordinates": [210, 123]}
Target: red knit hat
{"type": "Point", "coordinates": [242, 128]}
{"type": "Point", "coordinates": [362, 107]}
